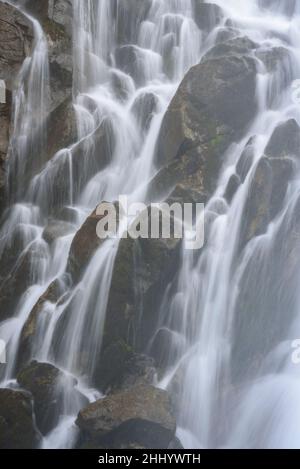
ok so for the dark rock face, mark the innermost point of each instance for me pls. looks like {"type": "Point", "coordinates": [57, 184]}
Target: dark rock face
{"type": "Point", "coordinates": [212, 108]}
{"type": "Point", "coordinates": [141, 415]}
{"type": "Point", "coordinates": [46, 382]}
{"type": "Point", "coordinates": [17, 428]}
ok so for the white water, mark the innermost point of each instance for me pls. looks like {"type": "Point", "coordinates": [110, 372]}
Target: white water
{"type": "Point", "coordinates": [212, 410]}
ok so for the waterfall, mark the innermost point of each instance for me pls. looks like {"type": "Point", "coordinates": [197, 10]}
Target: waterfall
{"type": "Point", "coordinates": [120, 62]}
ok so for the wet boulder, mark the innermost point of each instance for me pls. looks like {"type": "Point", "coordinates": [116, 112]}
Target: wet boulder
{"type": "Point", "coordinates": [245, 161]}
{"type": "Point", "coordinates": [144, 108]}
{"type": "Point", "coordinates": [266, 196]}
{"type": "Point", "coordinates": [207, 15]}
{"type": "Point", "coordinates": [19, 279]}
{"type": "Point", "coordinates": [273, 58]}
{"type": "Point", "coordinates": [237, 46]}
{"type": "Point", "coordinates": [62, 132]}
{"type": "Point", "coordinates": [141, 415]}
{"type": "Point", "coordinates": [47, 384]}
{"type": "Point", "coordinates": [5, 118]}
{"type": "Point", "coordinates": [128, 60]}
{"type": "Point", "coordinates": [16, 39]}
{"type": "Point", "coordinates": [62, 128]}
{"type": "Point", "coordinates": [262, 319]}
{"type": "Point", "coordinates": [257, 208]}
{"type": "Point", "coordinates": [121, 367]}
{"type": "Point", "coordinates": [285, 141]}
{"type": "Point", "coordinates": [17, 427]}
{"type": "Point", "coordinates": [57, 229]}
{"type": "Point", "coordinates": [232, 187]}
{"type": "Point", "coordinates": [31, 327]}
{"type": "Point", "coordinates": [130, 14]}
{"type": "Point", "coordinates": [212, 108]}
{"type": "Point", "coordinates": [270, 179]}
{"type": "Point", "coordinates": [58, 11]}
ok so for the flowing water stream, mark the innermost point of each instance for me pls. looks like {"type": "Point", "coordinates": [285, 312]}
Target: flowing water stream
{"type": "Point", "coordinates": [201, 307]}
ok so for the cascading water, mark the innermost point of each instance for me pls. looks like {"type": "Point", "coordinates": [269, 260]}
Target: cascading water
{"type": "Point", "coordinates": [107, 96]}
{"type": "Point", "coordinates": [262, 408]}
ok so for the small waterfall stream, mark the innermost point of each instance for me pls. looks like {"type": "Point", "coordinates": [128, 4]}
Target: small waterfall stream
{"type": "Point", "coordinates": [201, 308]}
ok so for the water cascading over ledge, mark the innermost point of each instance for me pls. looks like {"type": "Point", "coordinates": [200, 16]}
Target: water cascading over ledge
{"type": "Point", "coordinates": [160, 100]}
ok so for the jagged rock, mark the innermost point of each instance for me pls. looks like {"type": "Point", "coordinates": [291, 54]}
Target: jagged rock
{"type": "Point", "coordinates": [30, 328]}
{"type": "Point", "coordinates": [207, 15]}
{"type": "Point", "coordinates": [141, 415]}
{"type": "Point", "coordinates": [17, 427]}
{"type": "Point", "coordinates": [211, 109]}
{"type": "Point", "coordinates": [47, 383]}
